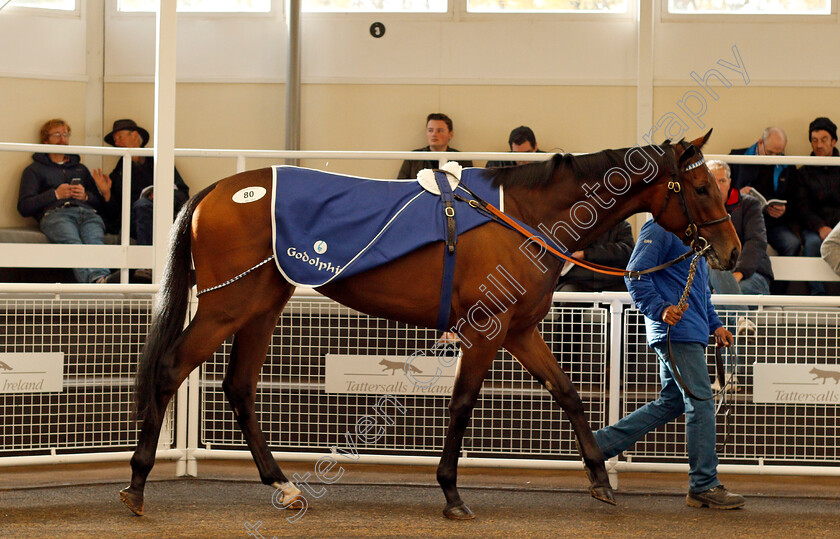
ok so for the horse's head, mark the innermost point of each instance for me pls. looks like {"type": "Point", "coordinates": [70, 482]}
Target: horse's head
{"type": "Point", "coordinates": [692, 206]}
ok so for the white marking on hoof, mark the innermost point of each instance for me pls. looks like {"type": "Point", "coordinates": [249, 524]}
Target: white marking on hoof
{"type": "Point", "coordinates": [290, 493]}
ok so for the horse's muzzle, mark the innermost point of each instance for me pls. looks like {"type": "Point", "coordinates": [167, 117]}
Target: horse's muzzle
{"type": "Point", "coordinates": [733, 258]}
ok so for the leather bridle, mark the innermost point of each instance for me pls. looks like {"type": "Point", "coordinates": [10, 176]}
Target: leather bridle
{"type": "Point", "coordinates": [675, 186]}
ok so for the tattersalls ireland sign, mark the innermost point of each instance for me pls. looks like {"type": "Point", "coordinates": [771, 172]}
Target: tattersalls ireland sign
{"type": "Point", "coordinates": [394, 375]}
{"type": "Point", "coordinates": [796, 384]}
{"type": "Point", "coordinates": [32, 372]}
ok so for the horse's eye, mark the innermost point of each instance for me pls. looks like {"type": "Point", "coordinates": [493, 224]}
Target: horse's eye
{"type": "Point", "coordinates": [702, 191]}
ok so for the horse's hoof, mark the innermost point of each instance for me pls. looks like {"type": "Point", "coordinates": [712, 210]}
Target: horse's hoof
{"type": "Point", "coordinates": [133, 500]}
{"type": "Point", "coordinates": [458, 512]}
{"type": "Point", "coordinates": [604, 494]}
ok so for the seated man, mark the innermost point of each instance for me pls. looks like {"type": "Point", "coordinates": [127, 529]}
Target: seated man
{"type": "Point", "coordinates": [439, 132]}
{"type": "Point", "coordinates": [772, 181]}
{"type": "Point", "coordinates": [127, 134]}
{"type": "Point", "coordinates": [612, 248]}
{"type": "Point", "coordinates": [753, 272]}
{"type": "Point", "coordinates": [818, 199]}
{"type": "Point", "coordinates": [59, 192]}
{"type": "Point", "coordinates": [521, 139]}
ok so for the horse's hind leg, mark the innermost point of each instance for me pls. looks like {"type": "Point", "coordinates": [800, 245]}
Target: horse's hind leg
{"type": "Point", "coordinates": [529, 348]}
{"type": "Point", "coordinates": [195, 345]}
{"type": "Point", "coordinates": [250, 345]}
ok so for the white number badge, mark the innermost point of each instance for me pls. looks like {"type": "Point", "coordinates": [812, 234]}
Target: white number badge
{"type": "Point", "coordinates": [249, 194]}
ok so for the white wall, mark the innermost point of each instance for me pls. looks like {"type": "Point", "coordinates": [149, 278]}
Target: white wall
{"type": "Point", "coordinates": [572, 78]}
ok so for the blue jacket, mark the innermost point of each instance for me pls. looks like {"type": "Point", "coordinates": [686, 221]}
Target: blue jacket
{"type": "Point", "coordinates": [653, 292]}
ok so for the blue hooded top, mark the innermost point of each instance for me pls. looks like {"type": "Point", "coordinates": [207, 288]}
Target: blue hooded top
{"type": "Point", "coordinates": [653, 292]}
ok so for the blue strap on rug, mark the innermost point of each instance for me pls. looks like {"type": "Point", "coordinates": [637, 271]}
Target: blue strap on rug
{"type": "Point", "coordinates": [449, 223]}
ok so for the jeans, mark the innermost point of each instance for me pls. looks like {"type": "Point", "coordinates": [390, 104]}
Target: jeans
{"type": "Point", "coordinates": [783, 240]}
{"type": "Point", "coordinates": [723, 282]}
{"type": "Point", "coordinates": [141, 220]}
{"type": "Point", "coordinates": [811, 243]}
{"type": "Point", "coordinates": [700, 430]}
{"type": "Point", "coordinates": [76, 225]}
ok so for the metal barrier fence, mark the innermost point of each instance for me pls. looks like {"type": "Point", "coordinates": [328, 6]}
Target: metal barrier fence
{"type": "Point", "coordinates": [754, 433]}
{"type": "Point", "coordinates": [515, 416]}
{"type": "Point", "coordinates": [515, 423]}
{"type": "Point", "coordinates": [99, 337]}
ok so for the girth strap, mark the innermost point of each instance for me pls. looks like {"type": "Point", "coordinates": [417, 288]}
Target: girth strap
{"type": "Point", "coordinates": [447, 198]}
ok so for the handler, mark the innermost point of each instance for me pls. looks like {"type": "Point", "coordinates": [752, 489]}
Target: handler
{"type": "Point", "coordinates": [657, 295]}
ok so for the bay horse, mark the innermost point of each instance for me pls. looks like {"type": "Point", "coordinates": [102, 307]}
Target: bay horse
{"type": "Point", "coordinates": [227, 239]}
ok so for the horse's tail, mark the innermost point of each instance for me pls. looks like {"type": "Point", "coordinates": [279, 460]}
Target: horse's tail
{"type": "Point", "coordinates": [170, 310]}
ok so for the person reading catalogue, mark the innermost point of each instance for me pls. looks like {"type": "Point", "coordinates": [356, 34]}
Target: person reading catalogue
{"type": "Point", "coordinates": [772, 182]}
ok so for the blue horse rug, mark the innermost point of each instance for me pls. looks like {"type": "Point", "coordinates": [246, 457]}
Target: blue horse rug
{"type": "Point", "coordinates": [327, 226]}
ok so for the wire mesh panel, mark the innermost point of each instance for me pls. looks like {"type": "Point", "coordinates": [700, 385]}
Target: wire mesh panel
{"type": "Point", "coordinates": [781, 433]}
{"type": "Point", "coordinates": [100, 339]}
{"type": "Point", "coordinates": [514, 416]}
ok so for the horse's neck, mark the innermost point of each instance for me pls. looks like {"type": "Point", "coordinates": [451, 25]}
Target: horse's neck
{"type": "Point", "coordinates": [571, 212]}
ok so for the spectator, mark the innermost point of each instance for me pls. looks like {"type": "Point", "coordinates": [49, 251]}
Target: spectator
{"type": "Point", "coordinates": [439, 132]}
{"type": "Point", "coordinates": [753, 272]}
{"type": "Point", "coordinates": [818, 200]}
{"type": "Point", "coordinates": [521, 139]}
{"type": "Point", "coordinates": [612, 248]}
{"type": "Point", "coordinates": [657, 295]}
{"type": "Point", "coordinates": [127, 134]}
{"type": "Point", "coordinates": [59, 192]}
{"type": "Point", "coordinates": [830, 249]}
{"type": "Point", "coordinates": [772, 181]}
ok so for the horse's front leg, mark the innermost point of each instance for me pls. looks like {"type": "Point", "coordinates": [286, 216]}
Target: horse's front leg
{"type": "Point", "coordinates": [529, 348]}
{"type": "Point", "coordinates": [475, 363]}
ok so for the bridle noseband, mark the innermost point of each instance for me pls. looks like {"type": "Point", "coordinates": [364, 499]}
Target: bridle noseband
{"type": "Point", "coordinates": [675, 186]}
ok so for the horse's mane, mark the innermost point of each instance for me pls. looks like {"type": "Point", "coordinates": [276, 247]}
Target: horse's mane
{"type": "Point", "coordinates": [540, 174]}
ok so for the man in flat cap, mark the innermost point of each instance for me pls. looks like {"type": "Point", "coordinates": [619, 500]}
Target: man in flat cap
{"type": "Point", "coordinates": [127, 134]}
{"type": "Point", "coordinates": [818, 199]}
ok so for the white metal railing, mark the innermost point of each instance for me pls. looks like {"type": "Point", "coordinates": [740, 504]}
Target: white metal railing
{"type": "Point", "coordinates": [126, 256]}
{"type": "Point", "coordinates": [515, 425]}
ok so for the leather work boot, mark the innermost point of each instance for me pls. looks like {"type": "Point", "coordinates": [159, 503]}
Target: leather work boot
{"type": "Point", "coordinates": [715, 498]}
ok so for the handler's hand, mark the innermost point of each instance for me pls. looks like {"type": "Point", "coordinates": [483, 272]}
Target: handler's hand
{"type": "Point", "coordinates": [672, 314]}
{"type": "Point", "coordinates": [723, 337]}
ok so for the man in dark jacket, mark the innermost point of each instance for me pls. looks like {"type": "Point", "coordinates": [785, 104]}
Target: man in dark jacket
{"type": "Point", "coordinates": [59, 192]}
{"type": "Point", "coordinates": [521, 140]}
{"type": "Point", "coordinates": [127, 134]}
{"type": "Point", "coordinates": [772, 181]}
{"type": "Point", "coordinates": [753, 272]}
{"type": "Point", "coordinates": [818, 205]}
{"type": "Point", "coordinates": [439, 132]}
{"type": "Point", "coordinates": [612, 248]}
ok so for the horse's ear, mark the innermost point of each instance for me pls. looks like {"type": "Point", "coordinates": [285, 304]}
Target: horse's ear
{"type": "Point", "coordinates": [700, 142]}
{"type": "Point", "coordinates": [689, 152]}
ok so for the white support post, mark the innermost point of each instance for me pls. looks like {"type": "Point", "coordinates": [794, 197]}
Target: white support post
{"type": "Point", "coordinates": [164, 156]}
{"type": "Point", "coordinates": [644, 84]}
{"type": "Point", "coordinates": [164, 138]}
{"type": "Point", "coordinates": [125, 212]}
{"type": "Point", "coordinates": [613, 415]}
{"type": "Point", "coordinates": [95, 87]}
{"type": "Point", "coordinates": [193, 418]}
